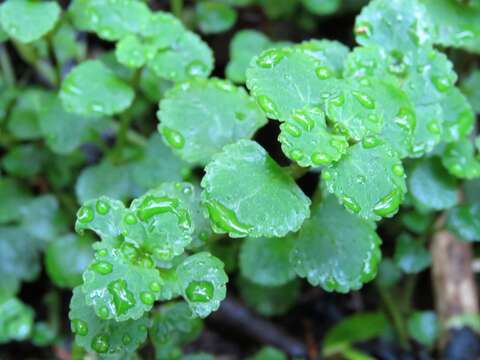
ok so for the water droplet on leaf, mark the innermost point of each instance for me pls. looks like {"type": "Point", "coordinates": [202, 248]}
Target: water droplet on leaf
{"type": "Point", "coordinates": [80, 327]}
{"type": "Point", "coordinates": [123, 299]}
{"type": "Point", "coordinates": [85, 214]}
{"type": "Point", "coordinates": [199, 291]}
{"type": "Point", "coordinates": [102, 207]}
{"type": "Point", "coordinates": [100, 343]}
{"type": "Point", "coordinates": [173, 138]}
{"type": "Point", "coordinates": [102, 267]}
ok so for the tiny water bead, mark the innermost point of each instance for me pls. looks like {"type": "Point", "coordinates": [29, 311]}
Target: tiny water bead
{"type": "Point", "coordinates": [123, 299]}
{"type": "Point", "coordinates": [267, 105]}
{"type": "Point", "coordinates": [147, 298]}
{"type": "Point", "coordinates": [337, 100]}
{"type": "Point", "coordinates": [434, 127]}
{"type": "Point", "coordinates": [80, 327]}
{"type": "Point", "coordinates": [173, 137]}
{"type": "Point", "coordinates": [102, 267]}
{"type": "Point", "coordinates": [103, 313]}
{"type": "Point", "coordinates": [270, 58]}
{"type": "Point", "coordinates": [291, 129]}
{"type": "Point", "coordinates": [155, 286]}
{"type": "Point", "coordinates": [85, 215]}
{"type": "Point", "coordinates": [388, 205]}
{"type": "Point", "coordinates": [130, 219]}
{"type": "Point", "coordinates": [350, 204]}
{"type": "Point", "coordinates": [156, 205]}
{"type": "Point", "coordinates": [225, 219]}
{"type": "Point", "coordinates": [100, 343]}
{"type": "Point", "coordinates": [405, 119]}
{"type": "Point", "coordinates": [164, 253]}
{"type": "Point", "coordinates": [200, 291]}
{"type": "Point", "coordinates": [197, 68]}
{"type": "Point", "coordinates": [102, 207]}
{"type": "Point", "coordinates": [303, 119]}
{"type": "Point", "coordinates": [441, 83]}
{"type": "Point", "coordinates": [296, 154]}
{"type": "Point", "coordinates": [102, 253]}
{"type": "Point", "coordinates": [364, 99]}
{"type": "Point", "coordinates": [126, 339]}
{"type": "Point", "coordinates": [398, 170]}
{"type": "Point", "coordinates": [363, 29]}
{"type": "Point", "coordinates": [371, 141]}
{"type": "Point", "coordinates": [323, 72]}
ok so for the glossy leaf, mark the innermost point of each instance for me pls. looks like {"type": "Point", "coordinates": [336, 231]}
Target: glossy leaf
{"type": "Point", "coordinates": [411, 255]}
{"type": "Point", "coordinates": [306, 139]}
{"type": "Point", "coordinates": [214, 17]}
{"type": "Point", "coordinates": [464, 220]}
{"type": "Point", "coordinates": [322, 7]}
{"type": "Point", "coordinates": [286, 79]}
{"type": "Point", "coordinates": [361, 186]}
{"type": "Point", "coordinates": [460, 160]}
{"type": "Point", "coordinates": [329, 52]}
{"type": "Point", "coordinates": [28, 20]}
{"type": "Point", "coordinates": [199, 117]}
{"type": "Point", "coordinates": [265, 261]}
{"type": "Point", "coordinates": [335, 249]}
{"type": "Point", "coordinates": [243, 185]}
{"type": "Point", "coordinates": [91, 89]}
{"type": "Point", "coordinates": [423, 327]}
{"type": "Point", "coordinates": [13, 196]}
{"type": "Point", "coordinates": [458, 116]}
{"type": "Point", "coordinates": [431, 186]}
{"type": "Point", "coordinates": [24, 160]}
{"type": "Point", "coordinates": [121, 283]}
{"type": "Point", "coordinates": [24, 118]}
{"type": "Point", "coordinates": [131, 52]}
{"type": "Point", "coordinates": [16, 321]}
{"type": "Point", "coordinates": [104, 336]}
{"type": "Point", "coordinates": [202, 280]}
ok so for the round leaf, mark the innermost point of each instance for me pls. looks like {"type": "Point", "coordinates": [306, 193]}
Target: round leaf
{"type": "Point", "coordinates": [215, 17]}
{"type": "Point", "coordinates": [464, 220]}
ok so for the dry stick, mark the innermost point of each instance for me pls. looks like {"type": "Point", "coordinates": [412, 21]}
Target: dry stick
{"type": "Point", "coordinates": [453, 279]}
{"type": "Point", "coordinates": [237, 317]}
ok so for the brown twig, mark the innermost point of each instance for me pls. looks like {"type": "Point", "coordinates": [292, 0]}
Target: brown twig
{"type": "Point", "coordinates": [237, 317]}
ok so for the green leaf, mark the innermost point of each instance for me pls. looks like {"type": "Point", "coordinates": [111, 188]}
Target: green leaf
{"type": "Point", "coordinates": [13, 197]}
{"type": "Point", "coordinates": [16, 321]}
{"type": "Point", "coordinates": [152, 86]}
{"type": "Point", "coordinates": [322, 7]}
{"type": "Point", "coordinates": [131, 52]}
{"type": "Point", "coordinates": [162, 30]}
{"type": "Point", "coordinates": [28, 20]}
{"type": "Point", "coordinates": [65, 44]}
{"type": "Point", "coordinates": [103, 179]}
{"type": "Point", "coordinates": [19, 258]}
{"type": "Point", "coordinates": [269, 300]}
{"type": "Point", "coordinates": [388, 274]}
{"type": "Point", "coordinates": [188, 57]}
{"type": "Point", "coordinates": [464, 220]}
{"type": "Point", "coordinates": [411, 255]}
{"type": "Point", "coordinates": [471, 88]}
{"type": "Point", "coordinates": [265, 261]}
{"type": "Point", "coordinates": [202, 280]}
{"type": "Point", "coordinates": [276, 9]}
{"type": "Point", "coordinates": [121, 283]}
{"type": "Point", "coordinates": [159, 222]}
{"type": "Point", "coordinates": [103, 216]}
{"type": "Point", "coordinates": [92, 89]}
{"type": "Point", "coordinates": [66, 258]}
{"type": "Point", "coordinates": [24, 160]}
{"type": "Point", "coordinates": [458, 116]}
{"type": "Point", "coordinates": [335, 249]}
{"type": "Point", "coordinates": [423, 327]}
{"type": "Point", "coordinates": [417, 222]}
{"type": "Point", "coordinates": [24, 118]}
{"type": "Point", "coordinates": [361, 186]}
{"type": "Point", "coordinates": [268, 353]}
{"type": "Point", "coordinates": [352, 329]}
{"type": "Point", "coordinates": [306, 139]}
{"type": "Point", "coordinates": [456, 23]}
{"type": "Point", "coordinates": [110, 20]}
{"type": "Point", "coordinates": [63, 131]}
{"type": "Point", "coordinates": [286, 79]}
{"type": "Point", "coordinates": [41, 218]}
{"type": "Point", "coordinates": [330, 52]}
{"type": "Point", "coordinates": [215, 17]}
{"type": "Point", "coordinates": [243, 47]}
{"type": "Point", "coordinates": [353, 111]}
{"type": "Point", "coordinates": [199, 117]}
{"type": "Point", "coordinates": [104, 336]}
{"type": "Point", "coordinates": [158, 165]}
{"type": "Point", "coordinates": [394, 24]}
{"type": "Point", "coordinates": [241, 187]}
{"type": "Point", "coordinates": [174, 324]}
{"type": "Point", "coordinates": [431, 186]}
{"type": "Point", "coordinates": [460, 160]}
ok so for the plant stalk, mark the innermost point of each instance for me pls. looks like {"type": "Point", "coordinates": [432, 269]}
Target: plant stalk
{"type": "Point", "coordinates": [177, 8]}
{"type": "Point", "coordinates": [6, 66]}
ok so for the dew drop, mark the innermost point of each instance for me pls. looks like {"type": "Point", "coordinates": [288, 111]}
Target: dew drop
{"type": "Point", "coordinates": [80, 327]}
{"type": "Point", "coordinates": [103, 313]}
{"type": "Point", "coordinates": [398, 170]}
{"type": "Point", "coordinates": [147, 298]}
{"type": "Point", "coordinates": [350, 204]}
{"type": "Point", "coordinates": [441, 83]}
{"type": "Point", "coordinates": [102, 252]}
{"type": "Point", "coordinates": [164, 253]}
{"type": "Point", "coordinates": [375, 119]}
{"type": "Point", "coordinates": [405, 119]}
{"type": "Point", "coordinates": [296, 154]}
{"type": "Point", "coordinates": [363, 29]}
{"type": "Point", "coordinates": [302, 118]}
{"type": "Point", "coordinates": [102, 207]}
{"type": "Point", "coordinates": [123, 299]}
{"type": "Point", "coordinates": [371, 141]}
{"type": "Point", "coordinates": [323, 72]}
{"type": "Point", "coordinates": [291, 129]}
{"type": "Point", "coordinates": [200, 291]}
{"type": "Point", "coordinates": [224, 219]}
{"type": "Point", "coordinates": [196, 68]}
{"type": "Point", "coordinates": [173, 137]}
{"type": "Point", "coordinates": [365, 100]}
{"type": "Point", "coordinates": [319, 158]}
{"type": "Point", "coordinates": [96, 107]}
{"type": "Point", "coordinates": [240, 116]}
{"type": "Point", "coordinates": [130, 219]}
{"type": "Point", "coordinates": [126, 339]}
{"type": "Point", "coordinates": [326, 175]}
{"type": "Point", "coordinates": [338, 100]}
{"type": "Point", "coordinates": [129, 251]}
{"type": "Point", "coordinates": [267, 105]}
{"type": "Point", "coordinates": [102, 267]}
{"type": "Point", "coordinates": [155, 286]}
{"type": "Point", "coordinates": [270, 58]}
{"type": "Point", "coordinates": [85, 214]}
{"type": "Point", "coordinates": [100, 343]}
{"type": "Point", "coordinates": [434, 128]}
{"type": "Point", "coordinates": [389, 204]}
{"type": "Point", "coordinates": [361, 179]}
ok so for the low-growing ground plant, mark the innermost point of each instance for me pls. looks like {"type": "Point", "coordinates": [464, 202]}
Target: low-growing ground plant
{"type": "Point", "coordinates": [290, 170]}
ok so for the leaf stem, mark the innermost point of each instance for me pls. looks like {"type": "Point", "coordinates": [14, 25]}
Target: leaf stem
{"type": "Point", "coordinates": [396, 317]}
{"type": "Point", "coordinates": [177, 8]}
{"type": "Point", "coordinates": [43, 68]}
{"type": "Point", "coordinates": [296, 171]}
{"type": "Point", "coordinates": [6, 66]}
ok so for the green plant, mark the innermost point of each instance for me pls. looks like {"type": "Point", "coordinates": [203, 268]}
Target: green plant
{"type": "Point", "coordinates": [162, 213]}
